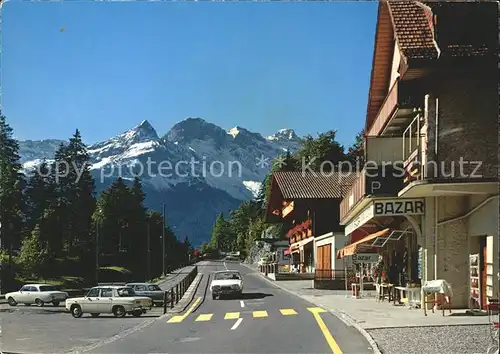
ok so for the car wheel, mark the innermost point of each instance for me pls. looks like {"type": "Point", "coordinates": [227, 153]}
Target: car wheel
{"type": "Point", "coordinates": [137, 313]}
{"type": "Point", "coordinates": [119, 311]}
{"type": "Point", "coordinates": [214, 297]}
{"type": "Point", "coordinates": [55, 303]}
{"type": "Point", "coordinates": [39, 303]}
{"type": "Point", "coordinates": [11, 301]}
{"type": "Point", "coordinates": [76, 311]}
{"type": "Point", "coordinates": [95, 314]}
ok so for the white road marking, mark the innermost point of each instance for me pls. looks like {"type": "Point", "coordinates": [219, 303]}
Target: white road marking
{"type": "Point", "coordinates": [242, 303]}
{"type": "Point", "coordinates": [236, 324]}
{"type": "Point", "coordinates": [225, 266]}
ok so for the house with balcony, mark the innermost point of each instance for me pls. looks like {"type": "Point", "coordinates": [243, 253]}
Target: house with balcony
{"type": "Point", "coordinates": [427, 197]}
{"type": "Point", "coordinates": [308, 206]}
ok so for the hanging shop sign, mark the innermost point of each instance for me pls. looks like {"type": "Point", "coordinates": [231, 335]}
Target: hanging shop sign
{"type": "Point", "coordinates": [364, 258]}
{"type": "Point", "coordinates": [396, 207]}
{"type": "Point", "coordinates": [288, 209]}
{"type": "Point", "coordinates": [361, 219]}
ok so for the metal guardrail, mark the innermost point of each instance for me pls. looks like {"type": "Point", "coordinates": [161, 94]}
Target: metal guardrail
{"type": "Point", "coordinates": [172, 297]}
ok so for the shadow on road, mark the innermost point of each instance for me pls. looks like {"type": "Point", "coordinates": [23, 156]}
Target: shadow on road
{"type": "Point", "coordinates": [253, 296]}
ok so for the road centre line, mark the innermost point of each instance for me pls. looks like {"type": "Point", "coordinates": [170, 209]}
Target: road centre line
{"type": "Point", "coordinates": [236, 324]}
{"type": "Point", "coordinates": [324, 329]}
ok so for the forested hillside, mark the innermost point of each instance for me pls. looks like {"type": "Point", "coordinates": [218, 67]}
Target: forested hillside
{"type": "Point", "coordinates": [239, 230]}
{"type": "Point", "coordinates": [54, 228]}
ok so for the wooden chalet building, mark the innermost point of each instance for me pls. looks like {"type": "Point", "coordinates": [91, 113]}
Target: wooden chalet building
{"type": "Point", "coordinates": [432, 113]}
{"type": "Point", "coordinates": [309, 206]}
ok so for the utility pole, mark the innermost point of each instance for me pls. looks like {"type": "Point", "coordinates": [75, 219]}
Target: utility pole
{"type": "Point", "coordinates": [97, 253]}
{"type": "Point", "coordinates": [148, 269]}
{"type": "Point", "coordinates": [163, 238]}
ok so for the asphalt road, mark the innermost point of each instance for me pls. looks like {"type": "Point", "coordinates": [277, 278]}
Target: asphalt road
{"type": "Point", "coordinates": [266, 320]}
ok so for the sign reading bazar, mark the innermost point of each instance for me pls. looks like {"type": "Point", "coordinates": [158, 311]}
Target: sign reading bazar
{"type": "Point", "coordinates": [386, 207]}
{"type": "Point", "coordinates": [364, 258]}
{"type": "Point", "coordinates": [399, 207]}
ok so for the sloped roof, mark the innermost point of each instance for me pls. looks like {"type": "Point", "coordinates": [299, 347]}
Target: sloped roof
{"type": "Point", "coordinates": [299, 185]}
{"type": "Point", "coordinates": [414, 30]}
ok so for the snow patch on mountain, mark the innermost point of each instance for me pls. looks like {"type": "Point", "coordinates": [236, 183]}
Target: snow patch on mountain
{"type": "Point", "coordinates": [233, 132]}
{"type": "Point", "coordinates": [253, 187]}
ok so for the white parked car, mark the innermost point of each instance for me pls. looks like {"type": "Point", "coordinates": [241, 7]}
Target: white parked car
{"type": "Point", "coordinates": [38, 294]}
{"type": "Point", "coordinates": [226, 282]}
{"type": "Point", "coordinates": [118, 300]}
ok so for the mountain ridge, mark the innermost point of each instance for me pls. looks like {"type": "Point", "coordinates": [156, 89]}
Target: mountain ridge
{"type": "Point", "coordinates": [194, 158]}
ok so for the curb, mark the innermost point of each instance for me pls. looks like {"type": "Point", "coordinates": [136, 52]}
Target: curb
{"type": "Point", "coordinates": [194, 287]}
{"type": "Point", "coordinates": [348, 320]}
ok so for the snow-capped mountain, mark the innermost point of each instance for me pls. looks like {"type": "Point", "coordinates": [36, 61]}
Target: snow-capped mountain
{"type": "Point", "coordinates": [198, 169]}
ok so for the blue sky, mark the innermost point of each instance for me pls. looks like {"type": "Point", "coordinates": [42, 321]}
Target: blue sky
{"type": "Point", "coordinates": [263, 66]}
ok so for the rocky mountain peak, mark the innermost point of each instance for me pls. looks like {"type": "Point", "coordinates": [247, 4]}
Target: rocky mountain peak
{"type": "Point", "coordinates": [284, 135]}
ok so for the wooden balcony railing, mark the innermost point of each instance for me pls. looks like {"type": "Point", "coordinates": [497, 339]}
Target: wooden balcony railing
{"type": "Point", "coordinates": [386, 110]}
{"type": "Point", "coordinates": [300, 230]}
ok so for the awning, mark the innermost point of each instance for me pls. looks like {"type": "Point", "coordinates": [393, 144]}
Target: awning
{"type": "Point", "coordinates": [353, 248]}
{"type": "Point", "coordinates": [295, 247]}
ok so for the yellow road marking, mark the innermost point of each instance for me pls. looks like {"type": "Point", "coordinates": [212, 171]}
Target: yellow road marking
{"type": "Point", "coordinates": [232, 316]}
{"type": "Point", "coordinates": [177, 319]}
{"type": "Point", "coordinates": [326, 332]}
{"type": "Point", "coordinates": [260, 314]}
{"type": "Point", "coordinates": [203, 318]}
{"type": "Point", "coordinates": [288, 312]}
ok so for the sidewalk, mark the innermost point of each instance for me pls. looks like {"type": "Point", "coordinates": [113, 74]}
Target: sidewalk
{"type": "Point", "coordinates": [398, 329]}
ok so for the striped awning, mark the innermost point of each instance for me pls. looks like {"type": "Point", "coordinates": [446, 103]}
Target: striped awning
{"type": "Point", "coordinates": [354, 248]}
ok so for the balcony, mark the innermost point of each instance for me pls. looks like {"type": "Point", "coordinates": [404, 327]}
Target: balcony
{"type": "Point", "coordinates": [396, 110]}
{"type": "Point", "coordinates": [300, 231]}
{"type": "Point", "coordinates": [373, 181]}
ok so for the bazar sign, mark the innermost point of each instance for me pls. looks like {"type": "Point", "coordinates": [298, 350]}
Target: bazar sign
{"type": "Point", "coordinates": [399, 207]}
{"type": "Point", "coordinates": [364, 258]}
{"type": "Point", "coordinates": [387, 207]}
{"type": "Point", "coordinates": [361, 219]}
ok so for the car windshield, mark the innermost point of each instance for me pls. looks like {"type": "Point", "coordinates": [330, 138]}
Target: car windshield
{"type": "Point", "coordinates": [154, 287]}
{"type": "Point", "coordinates": [48, 288]}
{"type": "Point", "coordinates": [126, 292]}
{"type": "Point", "coordinates": [227, 276]}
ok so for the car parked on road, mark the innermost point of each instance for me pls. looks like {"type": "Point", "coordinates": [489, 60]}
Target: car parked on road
{"type": "Point", "coordinates": [38, 294]}
{"type": "Point", "coordinates": [118, 300]}
{"type": "Point", "coordinates": [152, 291]}
{"type": "Point", "coordinates": [226, 282]}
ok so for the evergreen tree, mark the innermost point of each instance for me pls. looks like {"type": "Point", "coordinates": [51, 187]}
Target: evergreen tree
{"type": "Point", "coordinates": [11, 183]}
{"type": "Point", "coordinates": [39, 195]}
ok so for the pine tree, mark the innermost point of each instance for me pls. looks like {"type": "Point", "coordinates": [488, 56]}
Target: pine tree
{"type": "Point", "coordinates": [11, 183]}
{"type": "Point", "coordinates": [80, 193]}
